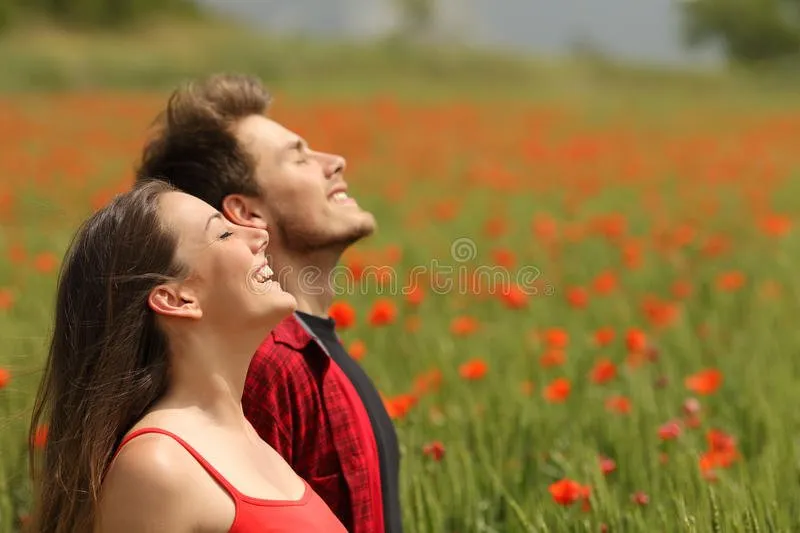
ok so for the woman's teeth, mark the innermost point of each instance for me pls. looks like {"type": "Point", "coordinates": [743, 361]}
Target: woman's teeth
{"type": "Point", "coordinates": [263, 274]}
{"type": "Point", "coordinates": [339, 196]}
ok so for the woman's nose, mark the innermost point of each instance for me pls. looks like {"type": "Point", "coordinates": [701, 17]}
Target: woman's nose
{"type": "Point", "coordinates": [259, 239]}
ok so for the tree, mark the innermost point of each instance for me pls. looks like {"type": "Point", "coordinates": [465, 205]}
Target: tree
{"type": "Point", "coordinates": [750, 31]}
{"type": "Point", "coordinates": [417, 17]}
{"type": "Point", "coordinates": [94, 13]}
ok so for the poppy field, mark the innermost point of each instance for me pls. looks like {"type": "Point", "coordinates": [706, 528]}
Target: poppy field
{"type": "Point", "coordinates": [582, 316]}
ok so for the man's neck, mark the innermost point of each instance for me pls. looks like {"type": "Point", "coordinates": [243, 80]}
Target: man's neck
{"type": "Point", "coordinates": [309, 281]}
{"type": "Point", "coordinates": [316, 305]}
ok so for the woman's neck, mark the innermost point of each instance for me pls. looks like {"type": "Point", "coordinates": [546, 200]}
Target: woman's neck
{"type": "Point", "coordinates": [209, 374]}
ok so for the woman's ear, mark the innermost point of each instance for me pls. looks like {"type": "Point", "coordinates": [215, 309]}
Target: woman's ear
{"type": "Point", "coordinates": [243, 211]}
{"type": "Point", "coordinates": [170, 300]}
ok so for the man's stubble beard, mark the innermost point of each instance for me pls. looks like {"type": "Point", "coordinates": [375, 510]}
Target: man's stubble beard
{"type": "Point", "coordinates": [301, 240]}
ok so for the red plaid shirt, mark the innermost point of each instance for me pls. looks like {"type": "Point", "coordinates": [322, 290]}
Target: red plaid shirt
{"type": "Point", "coordinates": [301, 409]}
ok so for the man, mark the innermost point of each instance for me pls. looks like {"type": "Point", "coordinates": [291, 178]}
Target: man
{"type": "Point", "coordinates": [304, 395]}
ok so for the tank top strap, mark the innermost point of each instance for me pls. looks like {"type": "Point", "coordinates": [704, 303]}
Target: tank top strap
{"type": "Point", "coordinates": [213, 472]}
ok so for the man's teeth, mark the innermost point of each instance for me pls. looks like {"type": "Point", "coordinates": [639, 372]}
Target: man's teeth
{"type": "Point", "coordinates": [339, 196]}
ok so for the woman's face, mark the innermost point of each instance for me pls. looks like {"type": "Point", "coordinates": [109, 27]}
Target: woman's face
{"type": "Point", "coordinates": [229, 278]}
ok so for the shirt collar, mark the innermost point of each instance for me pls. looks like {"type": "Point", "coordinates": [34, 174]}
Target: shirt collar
{"type": "Point", "coordinates": [296, 333]}
{"type": "Point", "coordinates": [291, 331]}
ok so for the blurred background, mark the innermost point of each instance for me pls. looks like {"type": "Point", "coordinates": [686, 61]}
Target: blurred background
{"type": "Point", "coordinates": [639, 155]}
{"type": "Point", "coordinates": [626, 29]}
{"type": "Point", "coordinates": [687, 34]}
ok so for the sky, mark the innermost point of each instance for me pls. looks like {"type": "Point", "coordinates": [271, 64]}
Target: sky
{"type": "Point", "coordinates": [634, 30]}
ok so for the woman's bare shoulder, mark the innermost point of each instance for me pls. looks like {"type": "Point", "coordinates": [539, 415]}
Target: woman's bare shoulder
{"type": "Point", "coordinates": [146, 488]}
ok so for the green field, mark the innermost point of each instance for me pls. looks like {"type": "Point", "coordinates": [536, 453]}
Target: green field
{"type": "Point", "coordinates": [656, 210]}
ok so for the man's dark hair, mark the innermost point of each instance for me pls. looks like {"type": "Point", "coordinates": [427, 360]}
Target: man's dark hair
{"type": "Point", "coordinates": [194, 147]}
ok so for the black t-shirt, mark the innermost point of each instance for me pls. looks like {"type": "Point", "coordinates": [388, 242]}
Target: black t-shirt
{"type": "Point", "coordinates": [382, 425]}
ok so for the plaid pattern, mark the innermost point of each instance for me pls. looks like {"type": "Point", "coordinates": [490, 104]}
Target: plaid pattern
{"type": "Point", "coordinates": [299, 408]}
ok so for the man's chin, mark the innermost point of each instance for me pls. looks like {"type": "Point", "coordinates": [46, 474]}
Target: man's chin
{"type": "Point", "coordinates": [334, 242]}
{"type": "Point", "coordinates": [360, 231]}
{"type": "Point", "coordinates": [362, 225]}
{"type": "Point", "coordinates": [371, 225]}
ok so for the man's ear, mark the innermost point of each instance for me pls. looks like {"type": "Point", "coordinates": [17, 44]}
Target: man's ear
{"type": "Point", "coordinates": [170, 300]}
{"type": "Point", "coordinates": [244, 211]}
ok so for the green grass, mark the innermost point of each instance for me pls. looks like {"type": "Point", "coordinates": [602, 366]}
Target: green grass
{"type": "Point", "coordinates": [45, 58]}
{"type": "Point", "coordinates": [503, 448]}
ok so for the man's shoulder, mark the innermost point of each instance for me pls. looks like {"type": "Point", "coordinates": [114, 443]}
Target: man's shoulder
{"type": "Point", "coordinates": [285, 377]}
{"type": "Point", "coordinates": [286, 339]}
{"type": "Point", "coordinates": [288, 353]}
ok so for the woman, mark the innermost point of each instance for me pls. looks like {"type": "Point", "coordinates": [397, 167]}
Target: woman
{"type": "Point", "coordinates": [161, 305]}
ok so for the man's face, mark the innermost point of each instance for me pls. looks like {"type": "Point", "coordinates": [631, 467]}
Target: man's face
{"type": "Point", "coordinates": [304, 191]}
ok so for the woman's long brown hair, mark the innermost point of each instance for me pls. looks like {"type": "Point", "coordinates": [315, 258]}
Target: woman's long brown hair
{"type": "Point", "coordinates": [107, 360]}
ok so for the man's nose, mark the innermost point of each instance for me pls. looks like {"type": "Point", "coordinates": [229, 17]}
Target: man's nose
{"type": "Point", "coordinates": [335, 164]}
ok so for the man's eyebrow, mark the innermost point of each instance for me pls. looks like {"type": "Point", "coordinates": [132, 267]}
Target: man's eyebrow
{"type": "Point", "coordinates": [296, 144]}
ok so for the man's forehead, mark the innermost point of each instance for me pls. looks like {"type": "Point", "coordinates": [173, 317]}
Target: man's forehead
{"type": "Point", "coordinates": [259, 129]}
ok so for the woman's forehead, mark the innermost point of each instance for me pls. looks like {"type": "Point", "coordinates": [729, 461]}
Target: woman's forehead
{"type": "Point", "coordinates": [190, 216]}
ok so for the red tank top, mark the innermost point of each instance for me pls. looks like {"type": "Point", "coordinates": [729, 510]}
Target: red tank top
{"type": "Point", "coordinates": [309, 513]}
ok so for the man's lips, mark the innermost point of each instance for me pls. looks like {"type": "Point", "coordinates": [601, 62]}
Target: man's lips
{"type": "Point", "coordinates": [337, 189]}
{"type": "Point", "coordinates": [338, 194]}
